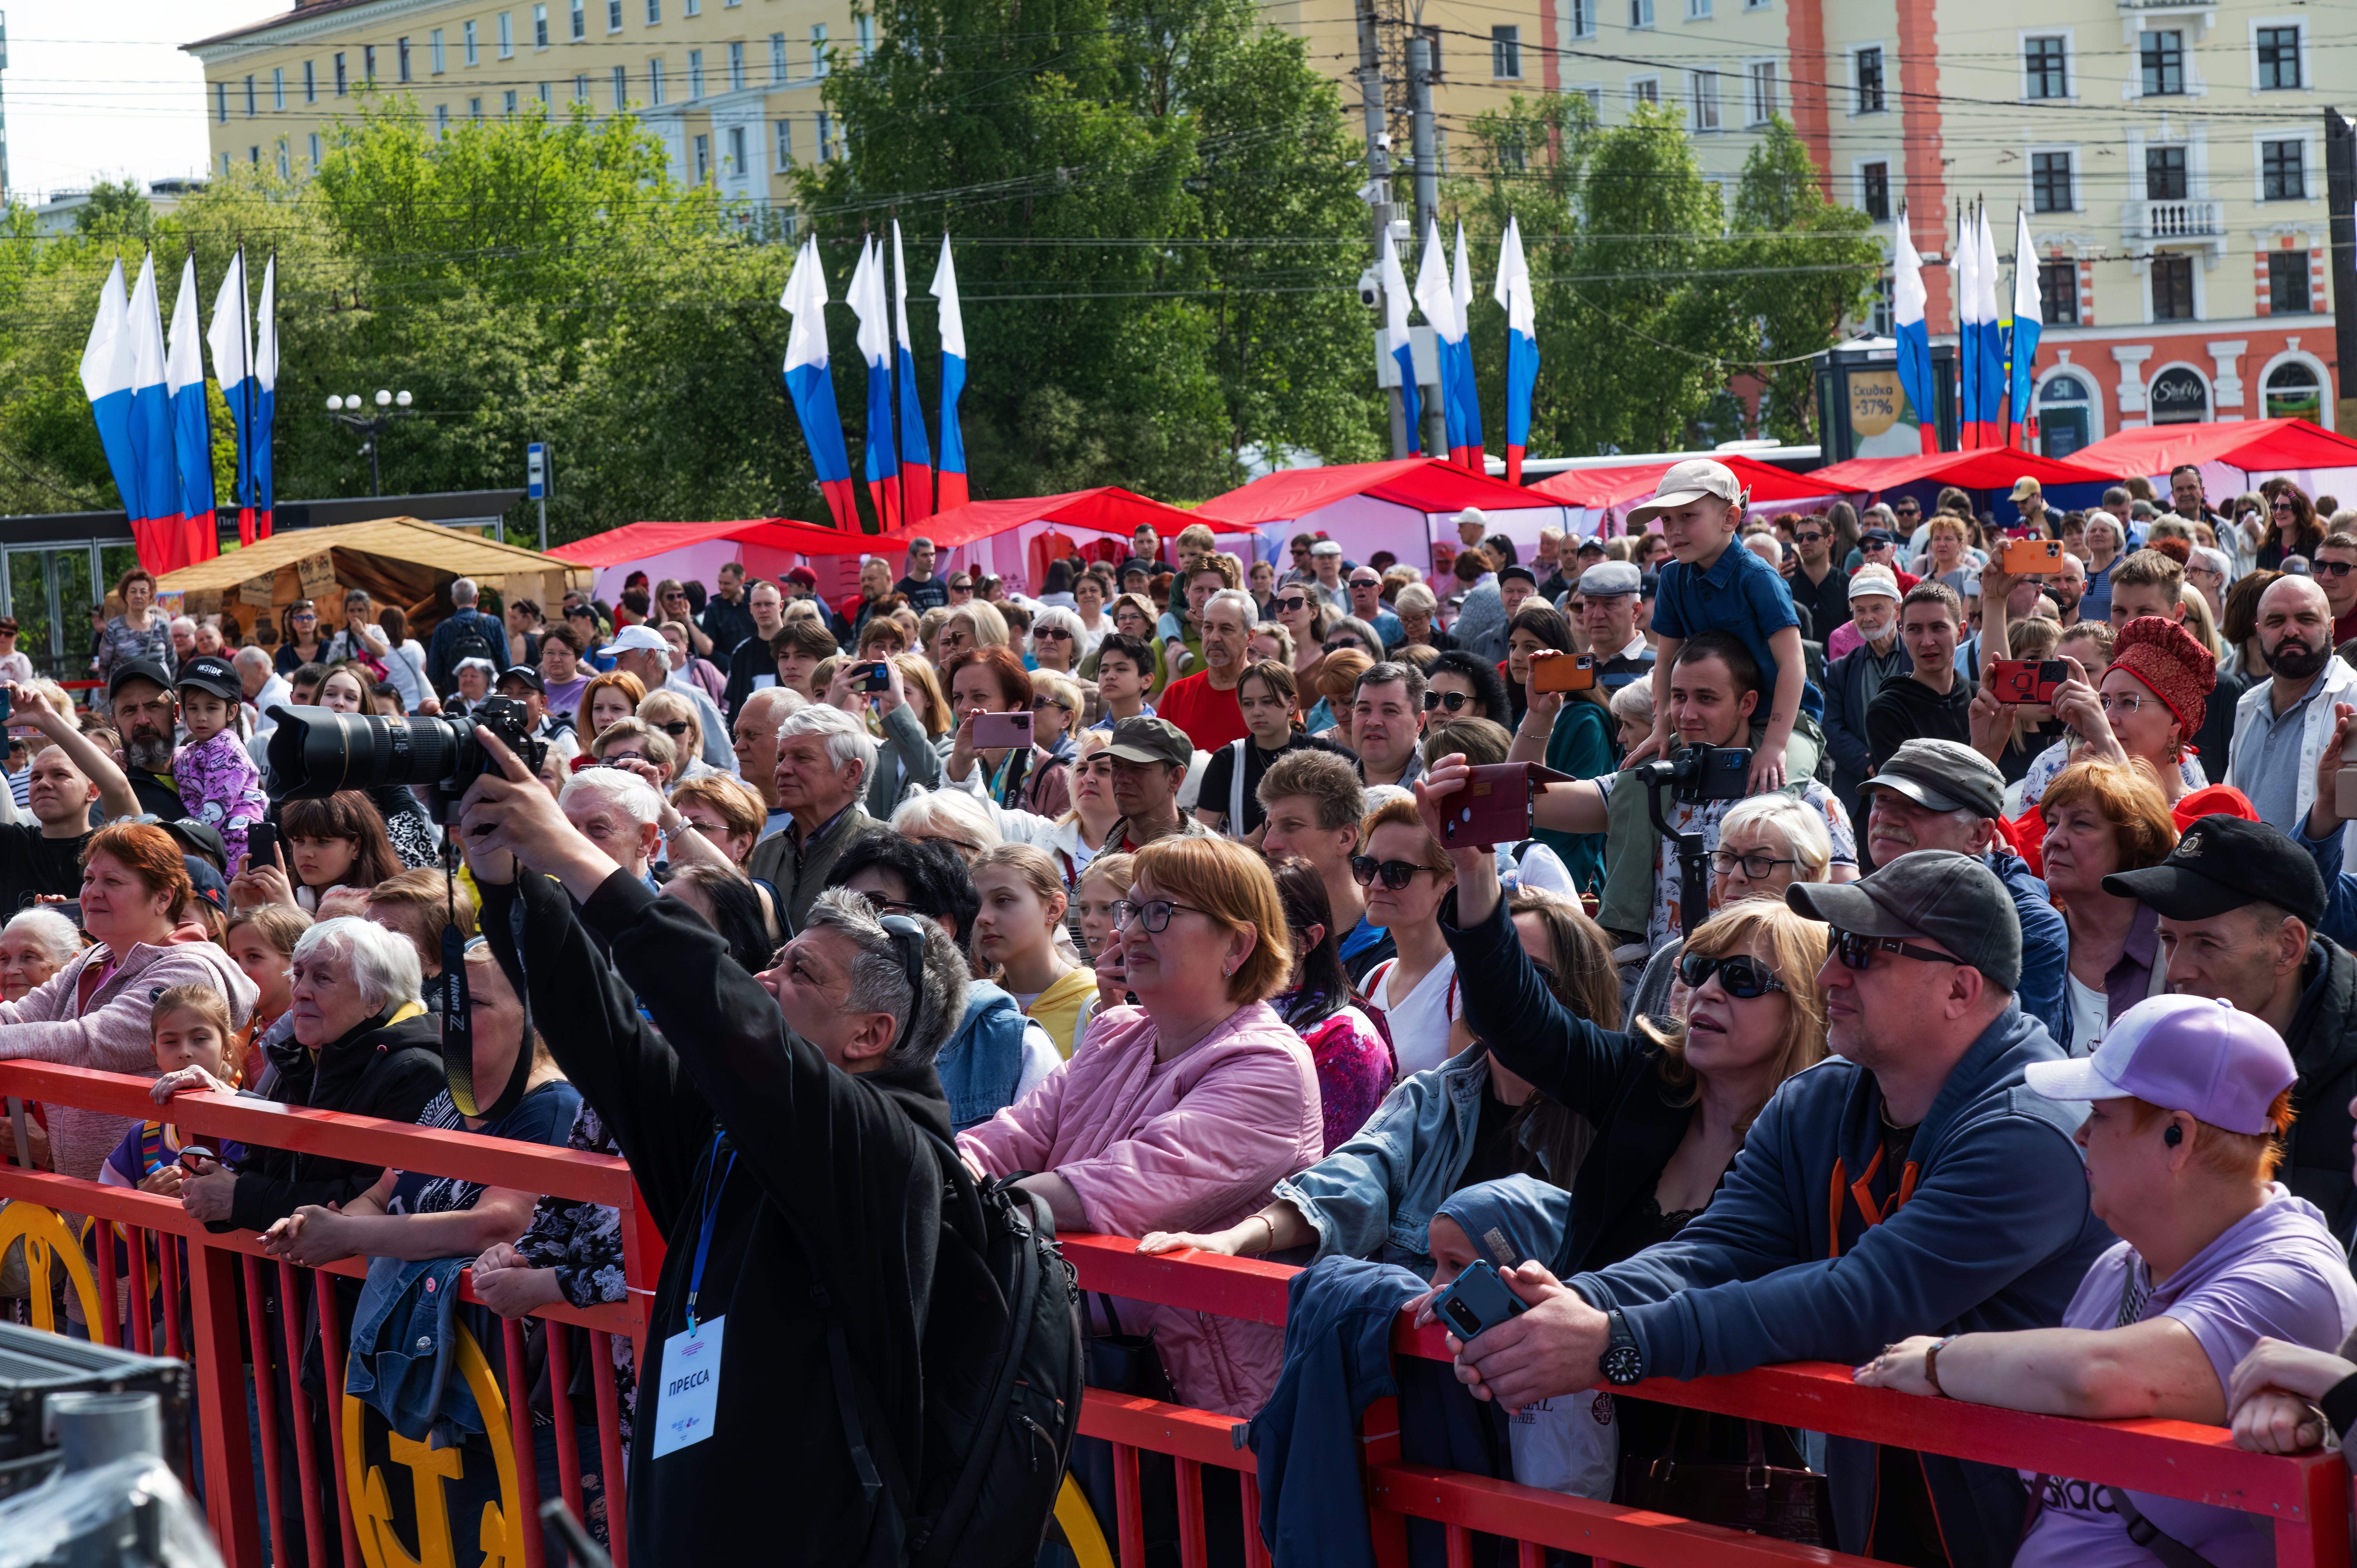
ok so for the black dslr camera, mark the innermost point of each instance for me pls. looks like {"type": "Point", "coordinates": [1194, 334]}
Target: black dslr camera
{"type": "Point", "coordinates": [314, 752]}
{"type": "Point", "coordinates": [1694, 775]}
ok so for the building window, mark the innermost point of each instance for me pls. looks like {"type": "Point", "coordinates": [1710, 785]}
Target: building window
{"type": "Point", "coordinates": [1874, 190]}
{"type": "Point", "coordinates": [736, 68]}
{"type": "Point", "coordinates": [621, 88]}
{"type": "Point", "coordinates": [1430, 33]}
{"type": "Point", "coordinates": [1868, 76]}
{"type": "Point", "coordinates": [1506, 53]}
{"type": "Point", "coordinates": [1879, 313]}
{"type": "Point", "coordinates": [441, 120]}
{"type": "Point", "coordinates": [703, 159]}
{"type": "Point", "coordinates": [310, 84]}
{"type": "Point", "coordinates": [1705, 100]}
{"type": "Point", "coordinates": [254, 156]}
{"type": "Point", "coordinates": [2065, 414]}
{"type": "Point", "coordinates": [580, 20]}
{"type": "Point", "coordinates": [278, 87]}
{"type": "Point", "coordinates": [1762, 100]}
{"type": "Point", "coordinates": [544, 95]}
{"type": "Point", "coordinates": [695, 76]}
{"type": "Point", "coordinates": [285, 162]}
{"type": "Point", "coordinates": [654, 12]}
{"type": "Point", "coordinates": [1583, 18]}
{"type": "Point", "coordinates": [818, 66]}
{"type": "Point", "coordinates": [2162, 56]}
{"type": "Point", "coordinates": [475, 109]}
{"type": "Point", "coordinates": [1697, 10]}
{"type": "Point", "coordinates": [2287, 282]}
{"type": "Point", "coordinates": [508, 103]}
{"type": "Point", "coordinates": [436, 58]}
{"type": "Point", "coordinates": [2294, 392]}
{"type": "Point", "coordinates": [777, 57]}
{"type": "Point", "coordinates": [737, 152]}
{"type": "Point", "coordinates": [2049, 182]}
{"type": "Point", "coordinates": [342, 86]}
{"type": "Point", "coordinates": [865, 27]}
{"type": "Point", "coordinates": [224, 159]}
{"type": "Point", "coordinates": [2164, 174]}
{"type": "Point", "coordinates": [315, 152]}
{"type": "Point", "coordinates": [2048, 73]}
{"type": "Point", "coordinates": [655, 82]}
{"type": "Point", "coordinates": [692, 8]}
{"type": "Point", "coordinates": [825, 136]}
{"type": "Point", "coordinates": [507, 35]}
{"type": "Point", "coordinates": [2057, 283]}
{"type": "Point", "coordinates": [539, 27]}
{"type": "Point", "coordinates": [613, 16]}
{"type": "Point", "coordinates": [1644, 90]}
{"type": "Point", "coordinates": [368, 66]}
{"type": "Point", "coordinates": [221, 102]}
{"type": "Point", "coordinates": [401, 60]}
{"type": "Point", "coordinates": [1640, 12]}
{"type": "Point", "coordinates": [2279, 58]}
{"type": "Point", "coordinates": [2172, 288]}
{"type": "Point", "coordinates": [2283, 175]}
{"type": "Point", "coordinates": [250, 109]}
{"type": "Point", "coordinates": [785, 145]}
{"type": "Point", "coordinates": [581, 89]}
{"type": "Point", "coordinates": [469, 43]}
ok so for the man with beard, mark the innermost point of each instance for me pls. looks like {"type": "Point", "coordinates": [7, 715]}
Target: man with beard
{"type": "Point", "coordinates": [145, 713]}
{"type": "Point", "coordinates": [2282, 724]}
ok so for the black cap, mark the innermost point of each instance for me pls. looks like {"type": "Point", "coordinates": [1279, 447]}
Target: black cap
{"type": "Point", "coordinates": [212, 672]}
{"type": "Point", "coordinates": [1523, 573]}
{"type": "Point", "coordinates": [210, 885]}
{"type": "Point", "coordinates": [1935, 894]}
{"type": "Point", "coordinates": [526, 674]}
{"type": "Point", "coordinates": [2223, 863]}
{"type": "Point", "coordinates": [198, 839]}
{"type": "Point", "coordinates": [1877, 536]}
{"type": "Point", "coordinates": [137, 669]}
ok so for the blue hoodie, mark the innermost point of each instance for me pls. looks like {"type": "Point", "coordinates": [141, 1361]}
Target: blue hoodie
{"type": "Point", "coordinates": [1511, 1220]}
{"type": "Point", "coordinates": [1988, 1230]}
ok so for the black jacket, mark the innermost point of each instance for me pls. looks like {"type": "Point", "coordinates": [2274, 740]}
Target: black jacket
{"type": "Point", "coordinates": [1827, 603]}
{"type": "Point", "coordinates": [1847, 699]}
{"type": "Point", "coordinates": [2323, 1041]}
{"type": "Point", "coordinates": [392, 1070]}
{"type": "Point", "coordinates": [834, 1191]}
{"type": "Point", "coordinates": [726, 624]}
{"type": "Point", "coordinates": [2216, 736]}
{"type": "Point", "coordinates": [749, 658]}
{"type": "Point", "coordinates": [1908, 710]}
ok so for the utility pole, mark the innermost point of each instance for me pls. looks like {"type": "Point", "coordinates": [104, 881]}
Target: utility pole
{"type": "Point", "coordinates": [1427, 194]}
{"type": "Point", "coordinates": [2340, 192]}
{"type": "Point", "coordinates": [1379, 184]}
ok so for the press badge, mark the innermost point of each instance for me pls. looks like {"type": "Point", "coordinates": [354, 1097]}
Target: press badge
{"type": "Point", "coordinates": [690, 1399]}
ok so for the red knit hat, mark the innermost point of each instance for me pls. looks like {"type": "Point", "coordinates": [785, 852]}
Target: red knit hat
{"type": "Point", "coordinates": [2172, 665]}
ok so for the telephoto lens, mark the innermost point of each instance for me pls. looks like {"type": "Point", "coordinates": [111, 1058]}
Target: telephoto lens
{"type": "Point", "coordinates": [316, 752]}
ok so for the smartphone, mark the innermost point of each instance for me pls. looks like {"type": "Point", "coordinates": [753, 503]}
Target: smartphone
{"type": "Point", "coordinates": [994, 732]}
{"type": "Point", "coordinates": [1563, 671]}
{"type": "Point", "coordinates": [2033, 557]}
{"type": "Point", "coordinates": [1476, 1300]}
{"type": "Point", "coordinates": [70, 909]}
{"type": "Point", "coordinates": [194, 1153]}
{"type": "Point", "coordinates": [1720, 773]}
{"type": "Point", "coordinates": [2019, 681]}
{"type": "Point", "coordinates": [879, 679]}
{"type": "Point", "coordinates": [2344, 782]}
{"type": "Point", "coordinates": [4, 695]}
{"type": "Point", "coordinates": [262, 845]}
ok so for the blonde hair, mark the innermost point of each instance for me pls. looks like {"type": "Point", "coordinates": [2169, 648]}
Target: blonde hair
{"type": "Point", "coordinates": [1232, 885]}
{"type": "Point", "coordinates": [1480, 742]}
{"type": "Point", "coordinates": [660, 750]}
{"type": "Point", "coordinates": [1634, 703]}
{"type": "Point", "coordinates": [1038, 873]}
{"type": "Point", "coordinates": [983, 623]}
{"type": "Point", "coordinates": [1804, 830]}
{"type": "Point", "coordinates": [1414, 598]}
{"type": "Point", "coordinates": [916, 671]}
{"type": "Point", "coordinates": [1116, 865]}
{"type": "Point", "coordinates": [2199, 621]}
{"type": "Point", "coordinates": [950, 812]}
{"type": "Point", "coordinates": [1062, 688]}
{"type": "Point", "coordinates": [1795, 950]}
{"type": "Point", "coordinates": [1284, 640]}
{"type": "Point", "coordinates": [727, 795]}
{"type": "Point", "coordinates": [667, 707]}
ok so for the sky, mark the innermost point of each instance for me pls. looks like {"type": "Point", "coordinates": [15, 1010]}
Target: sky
{"type": "Point", "coordinates": [82, 108]}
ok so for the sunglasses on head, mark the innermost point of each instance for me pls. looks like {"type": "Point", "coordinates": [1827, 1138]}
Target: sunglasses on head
{"type": "Point", "coordinates": [1453, 701]}
{"type": "Point", "coordinates": [1741, 975]}
{"type": "Point", "coordinates": [1396, 874]}
{"type": "Point", "coordinates": [1856, 951]}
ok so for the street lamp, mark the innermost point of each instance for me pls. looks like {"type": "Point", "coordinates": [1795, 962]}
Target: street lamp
{"type": "Point", "coordinates": [346, 410]}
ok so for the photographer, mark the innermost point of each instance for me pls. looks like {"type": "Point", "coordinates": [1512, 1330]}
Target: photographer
{"type": "Point", "coordinates": [1714, 689]}
{"type": "Point", "coordinates": [776, 1127]}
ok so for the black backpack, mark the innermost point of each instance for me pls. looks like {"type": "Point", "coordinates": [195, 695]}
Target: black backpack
{"type": "Point", "coordinates": [469, 642]}
{"type": "Point", "coordinates": [1002, 1379]}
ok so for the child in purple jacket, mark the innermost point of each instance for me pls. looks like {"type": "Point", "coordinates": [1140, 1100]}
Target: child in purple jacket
{"type": "Point", "coordinates": [218, 781]}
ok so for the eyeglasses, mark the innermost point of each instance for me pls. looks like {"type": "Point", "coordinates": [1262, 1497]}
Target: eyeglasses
{"type": "Point", "coordinates": [305, 615]}
{"type": "Point", "coordinates": [1741, 975]}
{"type": "Point", "coordinates": [1337, 645]}
{"type": "Point", "coordinates": [1756, 863]}
{"type": "Point", "coordinates": [1291, 602]}
{"type": "Point", "coordinates": [2332, 568]}
{"type": "Point", "coordinates": [1396, 874]}
{"type": "Point", "coordinates": [1908, 509]}
{"type": "Point", "coordinates": [1154, 914]}
{"type": "Point", "coordinates": [1039, 703]}
{"type": "Point", "coordinates": [1856, 951]}
{"type": "Point", "coordinates": [2123, 702]}
{"type": "Point", "coordinates": [1052, 633]}
{"type": "Point", "coordinates": [1453, 701]}
{"type": "Point", "coordinates": [890, 906]}
{"type": "Point", "coordinates": [675, 728]}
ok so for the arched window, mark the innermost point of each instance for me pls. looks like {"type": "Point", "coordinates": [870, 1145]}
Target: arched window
{"type": "Point", "coordinates": [2064, 415]}
{"type": "Point", "coordinates": [2293, 391]}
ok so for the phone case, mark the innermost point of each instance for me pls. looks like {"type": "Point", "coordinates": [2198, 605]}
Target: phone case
{"type": "Point", "coordinates": [994, 731]}
{"type": "Point", "coordinates": [1476, 1301]}
{"type": "Point", "coordinates": [2033, 557]}
{"type": "Point", "coordinates": [1494, 806]}
{"type": "Point", "coordinates": [1564, 672]}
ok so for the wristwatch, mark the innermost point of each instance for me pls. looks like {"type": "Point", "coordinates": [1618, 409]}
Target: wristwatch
{"type": "Point", "coordinates": [1622, 1363]}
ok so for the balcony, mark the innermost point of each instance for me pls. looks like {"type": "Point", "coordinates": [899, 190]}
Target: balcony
{"type": "Point", "coordinates": [2183, 220]}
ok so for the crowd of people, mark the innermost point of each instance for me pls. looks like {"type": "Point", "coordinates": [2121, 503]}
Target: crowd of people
{"type": "Point", "coordinates": [2019, 928]}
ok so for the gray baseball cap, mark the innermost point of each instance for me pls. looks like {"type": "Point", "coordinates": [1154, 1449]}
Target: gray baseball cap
{"type": "Point", "coordinates": [1609, 579]}
{"type": "Point", "coordinates": [1942, 776]}
{"type": "Point", "coordinates": [1934, 895]}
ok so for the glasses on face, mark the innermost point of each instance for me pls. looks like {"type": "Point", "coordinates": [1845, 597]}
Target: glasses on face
{"type": "Point", "coordinates": [305, 615]}
{"type": "Point", "coordinates": [1039, 702]}
{"type": "Point", "coordinates": [1856, 951]}
{"type": "Point", "coordinates": [2123, 702]}
{"type": "Point", "coordinates": [1453, 701]}
{"type": "Point", "coordinates": [1154, 914]}
{"type": "Point", "coordinates": [1741, 975]}
{"type": "Point", "coordinates": [1396, 874]}
{"type": "Point", "coordinates": [1289, 603]}
{"type": "Point", "coordinates": [1908, 509]}
{"type": "Point", "coordinates": [1756, 863]}
{"type": "Point", "coordinates": [2332, 568]}
{"type": "Point", "coordinates": [2281, 505]}
{"type": "Point", "coordinates": [1052, 633]}
{"type": "Point", "coordinates": [1811, 537]}
{"type": "Point", "coordinates": [1336, 645]}
{"type": "Point", "coordinates": [674, 728]}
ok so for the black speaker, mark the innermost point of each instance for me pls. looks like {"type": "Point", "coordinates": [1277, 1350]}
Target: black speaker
{"type": "Point", "coordinates": [35, 1365]}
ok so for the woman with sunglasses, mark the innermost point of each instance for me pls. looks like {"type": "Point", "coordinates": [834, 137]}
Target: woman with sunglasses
{"type": "Point", "coordinates": [1298, 608]}
{"type": "Point", "coordinates": [1056, 640]}
{"type": "Point", "coordinates": [300, 641]}
{"type": "Point", "coordinates": [674, 715]}
{"type": "Point", "coordinates": [1184, 1112]}
{"type": "Point", "coordinates": [1457, 685]}
{"type": "Point", "coordinates": [2292, 527]}
{"type": "Point", "coordinates": [1406, 871]}
{"type": "Point", "coordinates": [1375, 1193]}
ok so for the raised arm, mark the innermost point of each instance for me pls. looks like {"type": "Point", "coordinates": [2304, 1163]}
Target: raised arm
{"type": "Point", "coordinates": [114, 795]}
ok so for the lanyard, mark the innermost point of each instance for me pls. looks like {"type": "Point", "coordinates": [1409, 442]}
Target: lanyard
{"type": "Point", "coordinates": [711, 1213]}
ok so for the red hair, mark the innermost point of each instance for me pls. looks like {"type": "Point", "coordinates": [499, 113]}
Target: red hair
{"type": "Point", "coordinates": [1006, 669]}
{"type": "Point", "coordinates": [149, 854]}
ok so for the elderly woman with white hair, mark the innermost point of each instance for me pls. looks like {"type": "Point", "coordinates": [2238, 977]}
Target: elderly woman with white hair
{"type": "Point", "coordinates": [1766, 843]}
{"type": "Point", "coordinates": [34, 945]}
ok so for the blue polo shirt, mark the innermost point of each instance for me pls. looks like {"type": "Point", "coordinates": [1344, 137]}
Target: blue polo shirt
{"type": "Point", "coordinates": [1740, 594]}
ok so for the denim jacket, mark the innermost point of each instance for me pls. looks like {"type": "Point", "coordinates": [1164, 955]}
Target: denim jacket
{"type": "Point", "coordinates": [405, 1349]}
{"type": "Point", "coordinates": [1374, 1195]}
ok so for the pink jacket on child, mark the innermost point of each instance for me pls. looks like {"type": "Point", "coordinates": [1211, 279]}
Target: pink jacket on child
{"type": "Point", "coordinates": [1195, 1144]}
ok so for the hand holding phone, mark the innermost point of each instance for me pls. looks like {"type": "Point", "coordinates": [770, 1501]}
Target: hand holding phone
{"type": "Point", "coordinates": [1476, 1300]}
{"type": "Point", "coordinates": [1000, 732]}
{"type": "Point", "coordinates": [1553, 671]}
{"type": "Point", "coordinates": [2016, 681]}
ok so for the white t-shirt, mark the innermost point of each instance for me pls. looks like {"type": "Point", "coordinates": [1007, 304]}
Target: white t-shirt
{"type": "Point", "coordinates": [1419, 1021]}
{"type": "Point", "coordinates": [2091, 1015]}
{"type": "Point", "coordinates": [1570, 1445]}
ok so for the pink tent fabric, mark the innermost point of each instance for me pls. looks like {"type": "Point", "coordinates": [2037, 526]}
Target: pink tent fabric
{"type": "Point", "coordinates": [1420, 484]}
{"type": "Point", "coordinates": [1991, 469]}
{"type": "Point", "coordinates": [1107, 509]}
{"type": "Point", "coordinates": [638, 541]}
{"type": "Point", "coordinates": [1622, 482]}
{"type": "Point", "coordinates": [2251, 444]}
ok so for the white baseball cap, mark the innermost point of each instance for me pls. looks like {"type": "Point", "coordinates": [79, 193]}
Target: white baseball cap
{"type": "Point", "coordinates": [640, 637]}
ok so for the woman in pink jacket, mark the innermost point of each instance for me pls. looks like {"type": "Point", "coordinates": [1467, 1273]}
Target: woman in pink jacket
{"type": "Point", "coordinates": [1183, 1111]}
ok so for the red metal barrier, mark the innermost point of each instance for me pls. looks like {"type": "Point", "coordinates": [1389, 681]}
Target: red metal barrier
{"type": "Point", "coordinates": [228, 1295]}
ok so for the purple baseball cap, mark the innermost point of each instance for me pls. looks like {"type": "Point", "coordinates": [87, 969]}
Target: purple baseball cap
{"type": "Point", "coordinates": [2180, 1053]}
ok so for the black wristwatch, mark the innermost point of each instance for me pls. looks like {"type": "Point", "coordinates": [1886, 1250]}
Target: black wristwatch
{"type": "Point", "coordinates": [1622, 1363]}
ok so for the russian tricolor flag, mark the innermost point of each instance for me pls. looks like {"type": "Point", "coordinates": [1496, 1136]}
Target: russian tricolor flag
{"type": "Point", "coordinates": [1434, 298]}
{"type": "Point", "coordinates": [1908, 296]}
{"type": "Point", "coordinates": [916, 452]}
{"type": "Point", "coordinates": [184, 379]}
{"type": "Point", "coordinates": [952, 480]}
{"type": "Point", "coordinates": [151, 429]}
{"type": "Point", "coordinates": [1990, 412]}
{"type": "Point", "coordinates": [1396, 341]}
{"type": "Point", "coordinates": [2029, 326]}
{"type": "Point", "coordinates": [106, 378]}
{"type": "Point", "coordinates": [1513, 296]}
{"type": "Point", "coordinates": [868, 302]}
{"type": "Point", "coordinates": [1464, 447]}
{"type": "Point", "coordinates": [265, 401]}
{"type": "Point", "coordinates": [811, 386]}
{"type": "Point", "coordinates": [1963, 266]}
{"type": "Point", "coordinates": [231, 337]}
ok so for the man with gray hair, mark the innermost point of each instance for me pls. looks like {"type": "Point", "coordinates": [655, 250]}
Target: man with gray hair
{"type": "Point", "coordinates": [620, 812]}
{"type": "Point", "coordinates": [263, 686]}
{"type": "Point", "coordinates": [468, 633]}
{"type": "Point", "coordinates": [1204, 704]}
{"type": "Point", "coordinates": [784, 1130]}
{"type": "Point", "coordinates": [825, 757]}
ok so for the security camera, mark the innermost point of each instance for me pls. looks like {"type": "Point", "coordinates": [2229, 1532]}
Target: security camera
{"type": "Point", "coordinates": [1384, 140]}
{"type": "Point", "coordinates": [1371, 292]}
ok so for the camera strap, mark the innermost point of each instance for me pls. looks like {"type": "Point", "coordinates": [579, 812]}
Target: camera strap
{"type": "Point", "coordinates": [458, 1019]}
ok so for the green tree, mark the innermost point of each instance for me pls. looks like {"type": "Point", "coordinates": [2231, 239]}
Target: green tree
{"type": "Point", "coordinates": [115, 206]}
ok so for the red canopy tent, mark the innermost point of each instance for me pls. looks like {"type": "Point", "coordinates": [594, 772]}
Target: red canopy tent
{"type": "Point", "coordinates": [1383, 506]}
{"type": "Point", "coordinates": [1989, 468]}
{"type": "Point", "coordinates": [637, 540]}
{"type": "Point", "coordinates": [1613, 483]}
{"type": "Point", "coordinates": [2254, 446]}
{"type": "Point", "coordinates": [1018, 538]}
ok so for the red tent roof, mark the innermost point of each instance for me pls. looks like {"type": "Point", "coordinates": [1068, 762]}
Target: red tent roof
{"type": "Point", "coordinates": [1610, 486]}
{"type": "Point", "coordinates": [2250, 444]}
{"type": "Point", "coordinates": [1990, 468]}
{"type": "Point", "coordinates": [1425, 484]}
{"type": "Point", "coordinates": [637, 540]}
{"type": "Point", "coordinates": [1108, 509]}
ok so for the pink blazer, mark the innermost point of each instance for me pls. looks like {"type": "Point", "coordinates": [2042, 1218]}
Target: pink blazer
{"type": "Point", "coordinates": [1197, 1143]}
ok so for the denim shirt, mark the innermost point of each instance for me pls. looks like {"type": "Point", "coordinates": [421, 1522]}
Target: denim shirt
{"type": "Point", "coordinates": [1374, 1195]}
